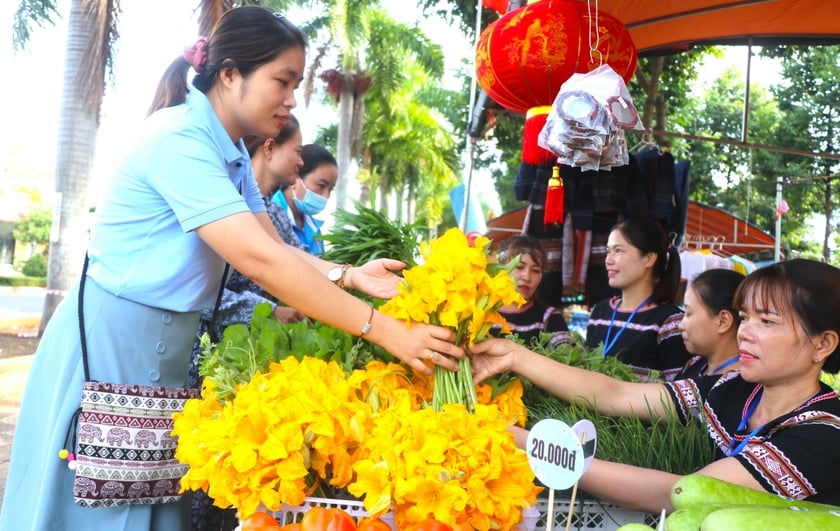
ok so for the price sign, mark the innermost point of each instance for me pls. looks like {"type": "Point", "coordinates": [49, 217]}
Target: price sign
{"type": "Point", "coordinates": [585, 431]}
{"type": "Point", "coordinates": [555, 454]}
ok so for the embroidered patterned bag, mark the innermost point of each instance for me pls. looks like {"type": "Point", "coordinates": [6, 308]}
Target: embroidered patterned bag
{"type": "Point", "coordinates": [124, 452]}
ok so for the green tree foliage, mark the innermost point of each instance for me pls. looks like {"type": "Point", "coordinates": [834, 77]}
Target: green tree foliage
{"type": "Point", "coordinates": [407, 145]}
{"type": "Point", "coordinates": [800, 114]}
{"type": "Point", "coordinates": [810, 102]}
{"type": "Point", "coordinates": [34, 229]}
{"type": "Point", "coordinates": [36, 266]}
{"type": "Point", "coordinates": [29, 13]}
{"type": "Point", "coordinates": [661, 85]}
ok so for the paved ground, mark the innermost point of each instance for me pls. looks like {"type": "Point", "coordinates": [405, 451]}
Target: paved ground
{"type": "Point", "coordinates": [18, 305]}
{"type": "Point", "coordinates": [13, 373]}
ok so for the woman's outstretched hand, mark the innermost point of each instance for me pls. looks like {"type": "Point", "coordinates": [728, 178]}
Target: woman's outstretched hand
{"type": "Point", "coordinates": [423, 346]}
{"type": "Point", "coordinates": [375, 278]}
{"type": "Point", "coordinates": [492, 356]}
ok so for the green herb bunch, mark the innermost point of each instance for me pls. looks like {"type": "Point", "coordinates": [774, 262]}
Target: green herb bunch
{"type": "Point", "coordinates": [663, 444]}
{"type": "Point", "coordinates": [367, 234]}
{"type": "Point", "coordinates": [246, 349]}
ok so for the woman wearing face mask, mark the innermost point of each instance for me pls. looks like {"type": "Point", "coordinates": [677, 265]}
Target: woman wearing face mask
{"type": "Point", "coordinates": [309, 194]}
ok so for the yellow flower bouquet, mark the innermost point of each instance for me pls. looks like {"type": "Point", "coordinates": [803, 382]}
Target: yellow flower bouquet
{"type": "Point", "coordinates": [457, 286]}
{"type": "Point", "coordinates": [302, 424]}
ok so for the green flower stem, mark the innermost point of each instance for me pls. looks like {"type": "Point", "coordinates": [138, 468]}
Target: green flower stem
{"type": "Point", "coordinates": [455, 387]}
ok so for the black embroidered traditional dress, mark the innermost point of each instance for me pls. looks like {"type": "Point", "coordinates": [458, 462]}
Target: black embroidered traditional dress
{"type": "Point", "coordinates": [794, 455]}
{"type": "Point", "coordinates": [532, 319]}
{"type": "Point", "coordinates": [651, 340]}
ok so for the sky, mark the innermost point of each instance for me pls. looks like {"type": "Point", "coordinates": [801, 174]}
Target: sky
{"type": "Point", "coordinates": [30, 98]}
{"type": "Point", "coordinates": [148, 44]}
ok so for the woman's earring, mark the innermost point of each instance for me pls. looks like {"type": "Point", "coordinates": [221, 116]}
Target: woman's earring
{"type": "Point", "coordinates": [816, 359]}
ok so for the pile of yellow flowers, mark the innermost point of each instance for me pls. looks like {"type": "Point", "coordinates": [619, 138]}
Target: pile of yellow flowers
{"type": "Point", "coordinates": [458, 286]}
{"type": "Point", "coordinates": [303, 423]}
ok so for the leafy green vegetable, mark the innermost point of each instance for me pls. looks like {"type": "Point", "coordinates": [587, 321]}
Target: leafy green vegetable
{"type": "Point", "coordinates": [244, 350]}
{"type": "Point", "coordinates": [664, 444]}
{"type": "Point", "coordinates": [367, 234]}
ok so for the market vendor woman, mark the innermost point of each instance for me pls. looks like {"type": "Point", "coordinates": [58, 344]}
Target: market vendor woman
{"type": "Point", "coordinates": [776, 427]}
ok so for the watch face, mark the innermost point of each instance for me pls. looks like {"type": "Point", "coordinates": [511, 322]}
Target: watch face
{"type": "Point", "coordinates": [334, 274]}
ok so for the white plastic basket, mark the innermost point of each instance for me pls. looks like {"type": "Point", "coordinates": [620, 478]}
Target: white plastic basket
{"type": "Point", "coordinates": [290, 514]}
{"type": "Point", "coordinates": [293, 513]}
{"type": "Point", "coordinates": [589, 515]}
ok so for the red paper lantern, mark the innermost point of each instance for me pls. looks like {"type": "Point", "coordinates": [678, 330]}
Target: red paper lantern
{"type": "Point", "coordinates": [499, 6]}
{"type": "Point", "coordinates": [523, 57]}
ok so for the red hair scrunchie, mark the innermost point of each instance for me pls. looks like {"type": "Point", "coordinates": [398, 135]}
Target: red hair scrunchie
{"type": "Point", "coordinates": [196, 55]}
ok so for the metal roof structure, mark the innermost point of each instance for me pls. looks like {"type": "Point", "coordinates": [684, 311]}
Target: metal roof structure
{"type": "Point", "coordinates": [706, 227]}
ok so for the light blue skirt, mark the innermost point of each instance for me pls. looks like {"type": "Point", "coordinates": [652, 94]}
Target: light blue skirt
{"type": "Point", "coordinates": [127, 343]}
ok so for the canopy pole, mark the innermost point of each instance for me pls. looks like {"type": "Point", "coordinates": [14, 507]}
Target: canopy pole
{"type": "Point", "coordinates": [745, 122]}
{"type": "Point", "coordinates": [462, 222]}
{"type": "Point", "coordinates": [777, 248]}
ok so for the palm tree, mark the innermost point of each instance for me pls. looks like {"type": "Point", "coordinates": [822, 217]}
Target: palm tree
{"type": "Point", "coordinates": [371, 48]}
{"type": "Point", "coordinates": [91, 33]}
{"type": "Point", "coordinates": [409, 150]}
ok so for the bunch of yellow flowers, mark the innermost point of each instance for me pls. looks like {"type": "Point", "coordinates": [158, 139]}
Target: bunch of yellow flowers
{"type": "Point", "coordinates": [457, 467]}
{"type": "Point", "coordinates": [305, 422]}
{"type": "Point", "coordinates": [282, 432]}
{"type": "Point", "coordinates": [458, 286]}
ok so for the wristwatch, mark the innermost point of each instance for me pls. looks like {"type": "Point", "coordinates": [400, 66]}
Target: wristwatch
{"type": "Point", "coordinates": [337, 274]}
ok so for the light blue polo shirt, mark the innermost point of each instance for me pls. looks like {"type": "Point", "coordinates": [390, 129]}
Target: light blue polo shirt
{"type": "Point", "coordinates": [184, 172]}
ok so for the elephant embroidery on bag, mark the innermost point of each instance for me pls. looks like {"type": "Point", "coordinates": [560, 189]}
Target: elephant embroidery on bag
{"type": "Point", "coordinates": [163, 486]}
{"type": "Point", "coordinates": [89, 433]}
{"type": "Point", "coordinates": [117, 436]}
{"type": "Point", "coordinates": [138, 488]}
{"type": "Point", "coordinates": [83, 487]}
{"type": "Point", "coordinates": [145, 437]}
{"type": "Point", "coordinates": [112, 489]}
{"type": "Point", "coordinates": [167, 440]}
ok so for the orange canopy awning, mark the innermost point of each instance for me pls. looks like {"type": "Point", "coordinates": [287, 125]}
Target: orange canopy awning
{"type": "Point", "coordinates": [662, 25]}
{"type": "Point", "coordinates": [706, 227]}
{"type": "Point", "coordinates": [709, 227]}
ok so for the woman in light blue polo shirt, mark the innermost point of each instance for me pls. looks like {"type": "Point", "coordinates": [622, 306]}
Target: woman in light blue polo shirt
{"type": "Point", "coordinates": [181, 204]}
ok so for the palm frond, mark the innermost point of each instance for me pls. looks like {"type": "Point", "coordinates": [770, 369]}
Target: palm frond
{"type": "Point", "coordinates": [31, 13]}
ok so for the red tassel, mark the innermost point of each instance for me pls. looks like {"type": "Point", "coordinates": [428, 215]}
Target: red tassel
{"type": "Point", "coordinates": [554, 198]}
{"type": "Point", "coordinates": [532, 153]}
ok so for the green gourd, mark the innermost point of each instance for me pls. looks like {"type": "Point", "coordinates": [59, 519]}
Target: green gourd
{"type": "Point", "coordinates": [696, 490]}
{"type": "Point", "coordinates": [635, 527]}
{"type": "Point", "coordinates": [753, 518]}
{"type": "Point", "coordinates": [690, 518]}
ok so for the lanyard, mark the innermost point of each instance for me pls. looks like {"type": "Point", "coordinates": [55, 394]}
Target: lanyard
{"type": "Point", "coordinates": [610, 344]}
{"type": "Point", "coordinates": [756, 398]}
{"type": "Point", "coordinates": [725, 364]}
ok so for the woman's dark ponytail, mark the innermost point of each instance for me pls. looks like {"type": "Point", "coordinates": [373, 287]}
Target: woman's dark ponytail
{"type": "Point", "coordinates": [245, 38]}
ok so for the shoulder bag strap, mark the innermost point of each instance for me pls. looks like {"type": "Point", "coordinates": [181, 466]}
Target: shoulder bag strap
{"type": "Point", "coordinates": [82, 313]}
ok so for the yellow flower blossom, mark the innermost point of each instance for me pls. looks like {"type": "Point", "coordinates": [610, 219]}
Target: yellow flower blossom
{"type": "Point", "coordinates": [303, 422]}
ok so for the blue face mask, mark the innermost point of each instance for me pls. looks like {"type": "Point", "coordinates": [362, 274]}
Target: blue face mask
{"type": "Point", "coordinates": [311, 203]}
